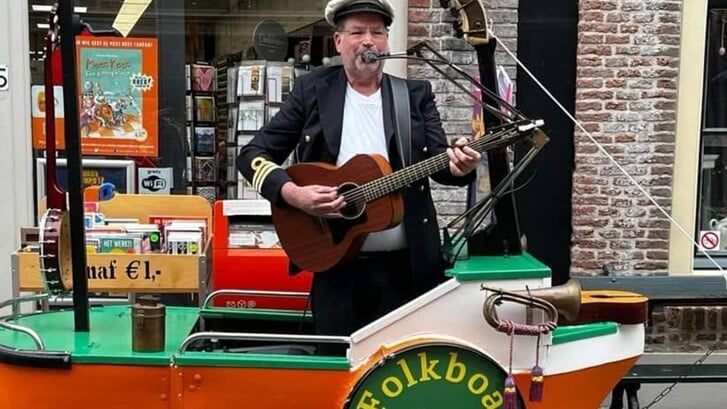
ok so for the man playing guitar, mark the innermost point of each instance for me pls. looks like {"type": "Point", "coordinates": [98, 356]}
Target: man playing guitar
{"type": "Point", "coordinates": [332, 115]}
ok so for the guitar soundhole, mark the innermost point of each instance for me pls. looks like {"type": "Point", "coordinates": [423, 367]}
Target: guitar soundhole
{"type": "Point", "coordinates": [355, 201]}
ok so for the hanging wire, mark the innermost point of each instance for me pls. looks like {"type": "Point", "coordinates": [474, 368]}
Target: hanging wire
{"type": "Point", "coordinates": [600, 147]}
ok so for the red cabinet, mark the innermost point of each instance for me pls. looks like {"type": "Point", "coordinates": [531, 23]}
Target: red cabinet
{"type": "Point", "coordinates": [245, 259]}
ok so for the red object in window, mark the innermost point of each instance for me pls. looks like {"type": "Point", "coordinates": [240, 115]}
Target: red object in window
{"type": "Point", "coordinates": [252, 269]}
{"type": "Point", "coordinates": [56, 60]}
{"type": "Point", "coordinates": [57, 71]}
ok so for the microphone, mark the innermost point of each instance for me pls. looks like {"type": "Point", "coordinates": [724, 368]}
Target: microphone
{"type": "Point", "coordinates": [369, 56]}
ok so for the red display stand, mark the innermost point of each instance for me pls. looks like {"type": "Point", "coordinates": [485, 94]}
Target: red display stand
{"type": "Point", "coordinates": [249, 268]}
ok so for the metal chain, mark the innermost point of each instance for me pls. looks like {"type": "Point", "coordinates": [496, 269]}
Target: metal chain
{"type": "Point", "coordinates": [712, 349]}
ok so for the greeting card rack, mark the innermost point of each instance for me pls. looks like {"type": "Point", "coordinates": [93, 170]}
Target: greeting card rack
{"type": "Point", "coordinates": [256, 89]}
{"type": "Point", "coordinates": [201, 170]}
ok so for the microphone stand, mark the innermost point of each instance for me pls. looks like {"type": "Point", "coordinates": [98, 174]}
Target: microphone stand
{"type": "Point", "coordinates": [520, 124]}
{"type": "Point", "coordinates": [415, 53]}
{"type": "Point", "coordinates": [475, 215]}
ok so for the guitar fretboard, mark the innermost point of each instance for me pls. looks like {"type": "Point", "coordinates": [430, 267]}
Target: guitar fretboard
{"type": "Point", "coordinates": [397, 180]}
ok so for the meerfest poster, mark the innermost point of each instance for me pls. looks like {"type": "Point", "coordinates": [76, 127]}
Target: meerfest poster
{"type": "Point", "coordinates": [118, 97]}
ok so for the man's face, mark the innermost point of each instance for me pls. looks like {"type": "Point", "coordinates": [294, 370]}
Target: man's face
{"type": "Point", "coordinates": [361, 32]}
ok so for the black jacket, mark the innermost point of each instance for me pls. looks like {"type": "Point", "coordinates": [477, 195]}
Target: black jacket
{"type": "Point", "coordinates": [310, 121]}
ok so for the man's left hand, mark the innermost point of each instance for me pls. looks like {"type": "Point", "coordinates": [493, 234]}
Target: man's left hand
{"type": "Point", "coordinates": [462, 158]}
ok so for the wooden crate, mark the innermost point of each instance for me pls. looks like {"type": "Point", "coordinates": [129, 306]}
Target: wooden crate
{"type": "Point", "coordinates": [135, 272]}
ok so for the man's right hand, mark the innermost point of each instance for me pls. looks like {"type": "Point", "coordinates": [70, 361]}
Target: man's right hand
{"type": "Point", "coordinates": [317, 200]}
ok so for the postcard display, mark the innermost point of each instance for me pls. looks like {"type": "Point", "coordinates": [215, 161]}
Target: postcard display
{"type": "Point", "coordinates": [201, 170]}
{"type": "Point", "coordinates": [255, 92]}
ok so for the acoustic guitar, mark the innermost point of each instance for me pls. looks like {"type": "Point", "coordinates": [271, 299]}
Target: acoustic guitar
{"type": "Point", "coordinates": [54, 232]}
{"type": "Point", "coordinates": [373, 200]}
{"type": "Point", "coordinates": [618, 306]}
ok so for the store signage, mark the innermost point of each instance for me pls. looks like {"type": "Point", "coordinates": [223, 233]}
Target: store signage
{"type": "Point", "coordinates": [431, 376]}
{"type": "Point", "coordinates": [4, 82]}
{"type": "Point", "coordinates": [115, 269]}
{"type": "Point", "coordinates": [155, 181]}
{"type": "Point", "coordinates": [270, 40]}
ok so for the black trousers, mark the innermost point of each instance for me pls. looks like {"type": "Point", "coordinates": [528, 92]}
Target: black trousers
{"type": "Point", "coordinates": [354, 294]}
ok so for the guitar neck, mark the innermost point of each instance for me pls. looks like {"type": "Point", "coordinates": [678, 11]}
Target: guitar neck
{"type": "Point", "coordinates": [397, 180]}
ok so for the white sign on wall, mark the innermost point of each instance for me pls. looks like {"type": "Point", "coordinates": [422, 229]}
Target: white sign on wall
{"type": "Point", "coordinates": [4, 82]}
{"type": "Point", "coordinates": [155, 181]}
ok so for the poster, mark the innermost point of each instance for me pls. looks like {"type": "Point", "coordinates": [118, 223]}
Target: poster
{"type": "Point", "coordinates": [118, 98]}
{"type": "Point", "coordinates": [118, 172]}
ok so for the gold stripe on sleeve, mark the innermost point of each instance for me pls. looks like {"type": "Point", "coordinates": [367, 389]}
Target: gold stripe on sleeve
{"type": "Point", "coordinates": [262, 168]}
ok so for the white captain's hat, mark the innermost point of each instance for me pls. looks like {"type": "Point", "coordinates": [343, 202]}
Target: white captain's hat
{"type": "Point", "coordinates": [336, 9]}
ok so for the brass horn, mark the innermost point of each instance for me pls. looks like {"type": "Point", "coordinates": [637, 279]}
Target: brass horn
{"type": "Point", "coordinates": [565, 299]}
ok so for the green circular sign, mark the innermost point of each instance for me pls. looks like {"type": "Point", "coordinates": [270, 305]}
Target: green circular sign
{"type": "Point", "coordinates": [431, 376]}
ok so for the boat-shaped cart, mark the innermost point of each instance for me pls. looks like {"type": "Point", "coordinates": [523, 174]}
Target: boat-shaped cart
{"type": "Point", "coordinates": [439, 350]}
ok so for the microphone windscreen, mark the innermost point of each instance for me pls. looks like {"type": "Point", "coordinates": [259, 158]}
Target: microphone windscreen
{"type": "Point", "coordinates": [369, 56]}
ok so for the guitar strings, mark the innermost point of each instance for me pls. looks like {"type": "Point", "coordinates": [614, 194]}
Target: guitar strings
{"type": "Point", "coordinates": [393, 181]}
{"type": "Point", "coordinates": [396, 180]}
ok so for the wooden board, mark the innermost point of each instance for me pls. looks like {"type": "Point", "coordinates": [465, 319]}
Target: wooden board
{"type": "Point", "coordinates": [125, 272]}
{"type": "Point", "coordinates": [135, 272]}
{"type": "Point", "coordinates": [142, 206]}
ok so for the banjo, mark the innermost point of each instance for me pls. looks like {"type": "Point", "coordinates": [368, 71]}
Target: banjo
{"type": "Point", "coordinates": [55, 242]}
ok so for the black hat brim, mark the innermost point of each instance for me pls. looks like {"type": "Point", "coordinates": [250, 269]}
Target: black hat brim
{"type": "Point", "coordinates": [363, 8]}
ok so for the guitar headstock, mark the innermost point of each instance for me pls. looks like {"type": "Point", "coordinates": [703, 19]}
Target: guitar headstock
{"type": "Point", "coordinates": [471, 20]}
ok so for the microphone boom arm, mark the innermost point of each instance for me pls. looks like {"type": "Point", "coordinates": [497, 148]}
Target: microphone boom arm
{"type": "Point", "coordinates": [416, 50]}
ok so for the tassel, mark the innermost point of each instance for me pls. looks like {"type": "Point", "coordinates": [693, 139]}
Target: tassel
{"type": "Point", "coordinates": [510, 389]}
{"type": "Point", "coordinates": [510, 393]}
{"type": "Point", "coordinates": [536, 384]}
{"type": "Point", "coordinates": [536, 376]}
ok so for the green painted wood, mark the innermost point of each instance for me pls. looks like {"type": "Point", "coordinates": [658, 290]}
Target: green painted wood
{"type": "Point", "coordinates": [109, 338]}
{"type": "Point", "coordinates": [252, 360]}
{"type": "Point", "coordinates": [499, 268]}
{"type": "Point", "coordinates": [570, 333]}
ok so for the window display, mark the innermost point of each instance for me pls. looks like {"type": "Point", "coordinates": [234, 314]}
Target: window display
{"type": "Point", "coordinates": [711, 232]}
{"type": "Point", "coordinates": [128, 83]}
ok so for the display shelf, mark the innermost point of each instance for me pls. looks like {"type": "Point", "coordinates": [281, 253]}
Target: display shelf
{"type": "Point", "coordinates": [143, 272]}
{"type": "Point", "coordinates": [202, 117]}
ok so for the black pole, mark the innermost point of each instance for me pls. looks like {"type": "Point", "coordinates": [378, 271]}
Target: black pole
{"type": "Point", "coordinates": [73, 155]}
{"type": "Point", "coordinates": [547, 44]}
{"type": "Point", "coordinates": [172, 139]}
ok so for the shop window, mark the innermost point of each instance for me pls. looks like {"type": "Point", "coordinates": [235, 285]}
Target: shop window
{"type": "Point", "coordinates": [711, 230]}
{"type": "Point", "coordinates": [196, 45]}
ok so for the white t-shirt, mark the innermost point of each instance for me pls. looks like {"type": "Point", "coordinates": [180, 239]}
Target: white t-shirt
{"type": "Point", "coordinates": [363, 132]}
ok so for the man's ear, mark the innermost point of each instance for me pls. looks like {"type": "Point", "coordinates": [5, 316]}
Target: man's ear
{"type": "Point", "coordinates": [337, 39]}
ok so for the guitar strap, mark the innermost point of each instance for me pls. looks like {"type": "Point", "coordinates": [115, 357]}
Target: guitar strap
{"type": "Point", "coordinates": [402, 117]}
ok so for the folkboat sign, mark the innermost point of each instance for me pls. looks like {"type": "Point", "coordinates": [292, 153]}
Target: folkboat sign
{"type": "Point", "coordinates": [436, 375]}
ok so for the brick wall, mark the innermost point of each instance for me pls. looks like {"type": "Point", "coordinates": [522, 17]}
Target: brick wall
{"type": "Point", "coordinates": [626, 97]}
{"type": "Point", "coordinates": [429, 21]}
{"type": "Point", "coordinates": [686, 329]}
